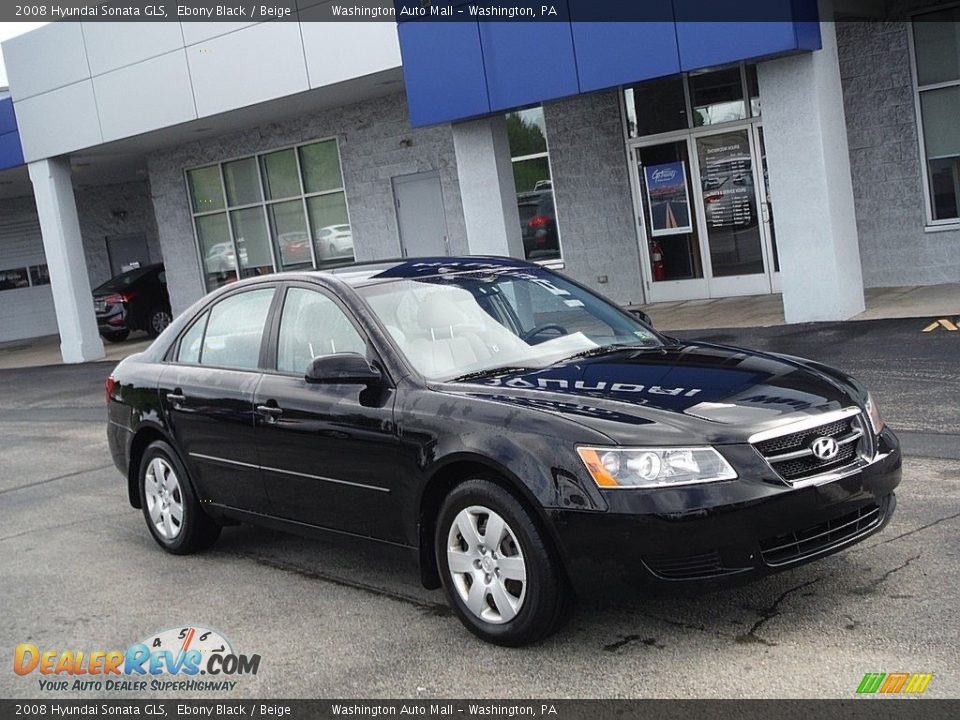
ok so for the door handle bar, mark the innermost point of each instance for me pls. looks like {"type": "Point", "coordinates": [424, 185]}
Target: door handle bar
{"type": "Point", "coordinates": [270, 411]}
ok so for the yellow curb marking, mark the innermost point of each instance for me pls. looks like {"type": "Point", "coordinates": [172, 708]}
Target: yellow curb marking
{"type": "Point", "coordinates": [942, 322]}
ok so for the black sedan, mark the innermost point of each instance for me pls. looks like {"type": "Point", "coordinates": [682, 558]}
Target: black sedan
{"type": "Point", "coordinates": [515, 431]}
{"type": "Point", "coordinates": [134, 300]}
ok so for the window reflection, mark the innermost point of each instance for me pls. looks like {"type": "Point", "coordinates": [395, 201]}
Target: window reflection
{"type": "Point", "coordinates": [717, 97]}
{"type": "Point", "coordinates": [277, 204]}
{"type": "Point", "coordinates": [534, 184]}
{"type": "Point", "coordinates": [655, 107]}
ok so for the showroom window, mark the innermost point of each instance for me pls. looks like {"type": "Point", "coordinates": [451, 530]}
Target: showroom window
{"type": "Point", "coordinates": [277, 211]}
{"type": "Point", "coordinates": [936, 44]}
{"type": "Point", "coordinates": [534, 182]}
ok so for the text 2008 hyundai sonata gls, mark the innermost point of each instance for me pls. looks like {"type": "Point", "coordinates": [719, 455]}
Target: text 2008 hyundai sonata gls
{"type": "Point", "coordinates": [508, 425]}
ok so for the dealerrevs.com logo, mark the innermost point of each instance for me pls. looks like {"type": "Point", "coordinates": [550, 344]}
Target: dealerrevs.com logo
{"type": "Point", "coordinates": [188, 659]}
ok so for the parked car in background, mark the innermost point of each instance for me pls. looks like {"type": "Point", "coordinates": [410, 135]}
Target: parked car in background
{"type": "Point", "coordinates": [334, 241]}
{"type": "Point", "coordinates": [221, 258]}
{"type": "Point", "coordinates": [134, 300]}
{"type": "Point", "coordinates": [538, 224]}
{"type": "Point", "coordinates": [514, 430]}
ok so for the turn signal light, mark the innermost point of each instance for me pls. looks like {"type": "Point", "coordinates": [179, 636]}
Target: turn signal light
{"type": "Point", "coordinates": [110, 384]}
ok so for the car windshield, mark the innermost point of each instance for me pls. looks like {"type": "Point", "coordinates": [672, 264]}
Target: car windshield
{"type": "Point", "coordinates": [476, 323]}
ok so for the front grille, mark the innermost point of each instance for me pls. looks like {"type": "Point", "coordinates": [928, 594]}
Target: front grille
{"type": "Point", "coordinates": [795, 546]}
{"type": "Point", "coordinates": [804, 467]}
{"type": "Point", "coordinates": [688, 567]}
{"type": "Point", "coordinates": [795, 441]}
{"type": "Point", "coordinates": [790, 455]}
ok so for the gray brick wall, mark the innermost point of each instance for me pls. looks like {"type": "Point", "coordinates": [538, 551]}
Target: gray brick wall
{"type": "Point", "coordinates": [885, 161]}
{"type": "Point", "coordinates": [376, 144]}
{"type": "Point", "coordinates": [592, 193]}
{"type": "Point", "coordinates": [114, 211]}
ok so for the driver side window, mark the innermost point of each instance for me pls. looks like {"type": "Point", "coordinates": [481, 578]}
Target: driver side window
{"type": "Point", "coordinates": [311, 326]}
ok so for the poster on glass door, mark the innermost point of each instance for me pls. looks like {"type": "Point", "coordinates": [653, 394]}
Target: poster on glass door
{"type": "Point", "coordinates": [668, 198]}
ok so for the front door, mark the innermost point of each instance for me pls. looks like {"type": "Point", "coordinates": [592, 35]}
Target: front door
{"type": "Point", "coordinates": [323, 447]}
{"type": "Point", "coordinates": [420, 216]}
{"type": "Point", "coordinates": [705, 216]}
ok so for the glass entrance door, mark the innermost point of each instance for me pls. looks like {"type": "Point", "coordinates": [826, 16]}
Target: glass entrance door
{"type": "Point", "coordinates": [732, 218]}
{"type": "Point", "coordinates": [704, 207]}
{"type": "Point", "coordinates": [673, 259]}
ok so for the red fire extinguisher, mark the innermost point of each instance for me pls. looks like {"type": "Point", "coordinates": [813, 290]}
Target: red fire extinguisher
{"type": "Point", "coordinates": [656, 259]}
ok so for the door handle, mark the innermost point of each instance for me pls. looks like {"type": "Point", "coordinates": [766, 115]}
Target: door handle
{"type": "Point", "coordinates": [270, 413]}
{"type": "Point", "coordinates": [176, 399]}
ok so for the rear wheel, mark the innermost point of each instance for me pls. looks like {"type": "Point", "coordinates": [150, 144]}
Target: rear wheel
{"type": "Point", "coordinates": [499, 573]}
{"type": "Point", "coordinates": [157, 321]}
{"type": "Point", "coordinates": [170, 507]}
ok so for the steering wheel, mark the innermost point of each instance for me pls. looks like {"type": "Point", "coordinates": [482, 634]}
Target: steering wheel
{"type": "Point", "coordinates": [540, 329]}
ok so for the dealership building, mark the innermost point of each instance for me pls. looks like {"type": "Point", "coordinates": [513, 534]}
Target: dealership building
{"type": "Point", "coordinates": [673, 159]}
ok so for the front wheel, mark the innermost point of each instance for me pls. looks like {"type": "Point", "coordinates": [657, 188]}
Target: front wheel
{"type": "Point", "coordinates": [115, 336]}
{"type": "Point", "coordinates": [499, 573]}
{"type": "Point", "coordinates": [171, 509]}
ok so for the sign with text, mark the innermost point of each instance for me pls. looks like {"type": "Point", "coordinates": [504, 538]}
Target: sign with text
{"type": "Point", "coordinates": [668, 198]}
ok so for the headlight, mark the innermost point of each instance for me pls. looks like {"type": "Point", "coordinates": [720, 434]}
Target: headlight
{"type": "Point", "coordinates": [654, 467]}
{"type": "Point", "coordinates": [876, 422]}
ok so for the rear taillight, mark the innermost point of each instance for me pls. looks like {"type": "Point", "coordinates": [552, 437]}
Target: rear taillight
{"type": "Point", "coordinates": [712, 198]}
{"type": "Point", "coordinates": [538, 221]}
{"type": "Point", "coordinates": [110, 384]}
{"type": "Point", "coordinates": [118, 298]}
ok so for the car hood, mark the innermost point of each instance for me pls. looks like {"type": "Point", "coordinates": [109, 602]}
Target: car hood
{"type": "Point", "coordinates": [681, 393]}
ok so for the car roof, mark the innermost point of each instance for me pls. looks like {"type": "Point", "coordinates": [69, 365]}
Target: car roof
{"type": "Point", "coordinates": [379, 271]}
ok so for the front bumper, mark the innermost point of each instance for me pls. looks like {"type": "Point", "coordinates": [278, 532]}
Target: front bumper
{"type": "Point", "coordinates": [746, 527]}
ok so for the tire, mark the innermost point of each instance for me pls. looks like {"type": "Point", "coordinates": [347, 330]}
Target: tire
{"type": "Point", "coordinates": [512, 612]}
{"type": "Point", "coordinates": [116, 336]}
{"type": "Point", "coordinates": [157, 321]}
{"type": "Point", "coordinates": [165, 490]}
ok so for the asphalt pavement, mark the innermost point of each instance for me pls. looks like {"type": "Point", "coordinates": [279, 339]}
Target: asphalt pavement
{"type": "Point", "coordinates": [78, 570]}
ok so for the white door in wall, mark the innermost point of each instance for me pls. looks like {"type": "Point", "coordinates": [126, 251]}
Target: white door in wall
{"type": "Point", "coordinates": [418, 200]}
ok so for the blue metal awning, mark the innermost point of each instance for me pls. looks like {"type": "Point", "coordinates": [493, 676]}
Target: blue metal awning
{"type": "Point", "coordinates": [11, 154]}
{"type": "Point", "coordinates": [471, 66]}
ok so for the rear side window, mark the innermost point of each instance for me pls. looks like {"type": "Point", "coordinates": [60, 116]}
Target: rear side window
{"type": "Point", "coordinates": [192, 342]}
{"type": "Point", "coordinates": [235, 329]}
{"type": "Point", "coordinates": [313, 325]}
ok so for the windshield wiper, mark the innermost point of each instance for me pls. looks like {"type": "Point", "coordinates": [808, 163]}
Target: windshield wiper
{"type": "Point", "coordinates": [491, 371]}
{"type": "Point", "coordinates": [607, 349]}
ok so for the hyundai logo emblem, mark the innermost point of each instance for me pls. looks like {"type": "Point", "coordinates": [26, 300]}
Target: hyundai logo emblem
{"type": "Point", "coordinates": [825, 448]}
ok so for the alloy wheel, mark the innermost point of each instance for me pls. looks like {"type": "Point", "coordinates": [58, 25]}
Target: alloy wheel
{"type": "Point", "coordinates": [486, 565]}
{"type": "Point", "coordinates": [160, 320]}
{"type": "Point", "coordinates": [164, 499]}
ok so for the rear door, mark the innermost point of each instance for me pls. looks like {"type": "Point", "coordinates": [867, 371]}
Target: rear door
{"type": "Point", "coordinates": [207, 395]}
{"type": "Point", "coordinates": [328, 452]}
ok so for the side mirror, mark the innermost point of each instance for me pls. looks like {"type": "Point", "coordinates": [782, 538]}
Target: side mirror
{"type": "Point", "coordinates": [342, 369]}
{"type": "Point", "coordinates": [642, 317]}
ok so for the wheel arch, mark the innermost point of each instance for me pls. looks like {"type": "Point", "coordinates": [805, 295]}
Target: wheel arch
{"type": "Point", "coordinates": [142, 439]}
{"type": "Point", "coordinates": [453, 471]}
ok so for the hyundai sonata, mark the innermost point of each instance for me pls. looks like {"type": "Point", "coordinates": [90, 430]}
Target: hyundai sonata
{"type": "Point", "coordinates": [517, 432]}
